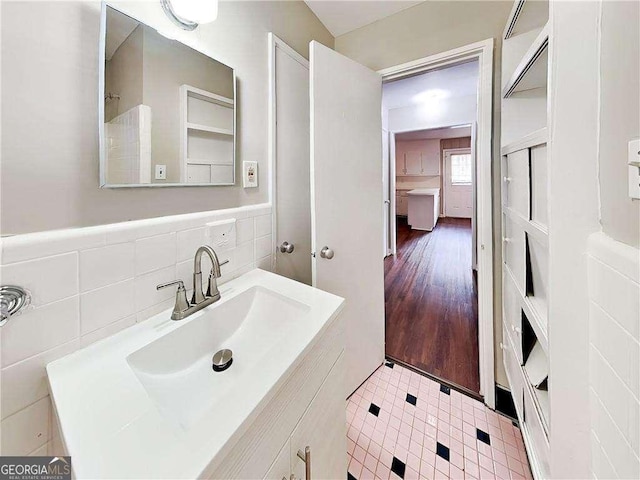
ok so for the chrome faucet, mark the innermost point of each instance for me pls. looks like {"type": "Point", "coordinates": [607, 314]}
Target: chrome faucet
{"type": "Point", "coordinates": [183, 308]}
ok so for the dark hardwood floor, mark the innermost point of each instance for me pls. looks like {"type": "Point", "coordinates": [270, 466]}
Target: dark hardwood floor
{"type": "Point", "coordinates": [431, 302]}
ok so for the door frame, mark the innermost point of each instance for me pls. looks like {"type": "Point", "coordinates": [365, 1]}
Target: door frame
{"type": "Point", "coordinates": [483, 52]}
{"type": "Point", "coordinates": [445, 172]}
{"type": "Point", "coordinates": [392, 193]}
{"type": "Point", "coordinates": [273, 43]}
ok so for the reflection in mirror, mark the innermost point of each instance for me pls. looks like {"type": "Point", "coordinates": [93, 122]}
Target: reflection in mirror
{"type": "Point", "coordinates": [169, 110]}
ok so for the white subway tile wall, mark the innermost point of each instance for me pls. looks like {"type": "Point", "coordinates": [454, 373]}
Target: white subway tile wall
{"type": "Point", "coordinates": [89, 283]}
{"type": "Point", "coordinates": [614, 358]}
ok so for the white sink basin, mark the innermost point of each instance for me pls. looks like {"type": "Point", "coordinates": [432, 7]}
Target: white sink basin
{"type": "Point", "coordinates": [176, 368]}
{"type": "Point", "coordinates": [146, 403]}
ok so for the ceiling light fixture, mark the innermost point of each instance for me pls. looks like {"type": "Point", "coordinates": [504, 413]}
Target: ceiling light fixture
{"type": "Point", "coordinates": [430, 95]}
{"type": "Point", "coordinates": [188, 14]}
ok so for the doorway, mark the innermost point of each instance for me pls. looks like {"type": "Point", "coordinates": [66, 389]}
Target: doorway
{"type": "Point", "coordinates": [347, 198]}
{"type": "Point", "coordinates": [431, 286]}
{"type": "Point", "coordinates": [431, 294]}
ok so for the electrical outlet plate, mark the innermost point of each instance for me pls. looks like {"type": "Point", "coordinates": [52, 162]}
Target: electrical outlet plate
{"type": "Point", "coordinates": [222, 234]}
{"type": "Point", "coordinates": [249, 174]}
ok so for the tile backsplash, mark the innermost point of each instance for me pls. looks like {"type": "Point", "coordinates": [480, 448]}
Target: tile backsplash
{"type": "Point", "coordinates": [614, 358]}
{"type": "Point", "coordinates": [89, 283]}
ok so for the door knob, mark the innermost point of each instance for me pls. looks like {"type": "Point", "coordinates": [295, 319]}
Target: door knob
{"type": "Point", "coordinates": [388, 202]}
{"type": "Point", "coordinates": [306, 458]}
{"type": "Point", "coordinates": [327, 253]}
{"type": "Point", "coordinates": [286, 247]}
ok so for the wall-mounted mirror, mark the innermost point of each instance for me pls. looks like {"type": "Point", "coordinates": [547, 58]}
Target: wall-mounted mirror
{"type": "Point", "coordinates": [168, 116]}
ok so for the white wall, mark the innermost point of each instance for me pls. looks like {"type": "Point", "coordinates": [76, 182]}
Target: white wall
{"type": "Point", "coordinates": [614, 358]}
{"type": "Point", "coordinates": [426, 29]}
{"type": "Point", "coordinates": [573, 216]}
{"type": "Point", "coordinates": [50, 119]}
{"type": "Point", "coordinates": [166, 66]}
{"type": "Point", "coordinates": [438, 113]}
{"type": "Point", "coordinates": [89, 283]}
{"type": "Point", "coordinates": [613, 256]}
{"type": "Point", "coordinates": [124, 75]}
{"type": "Point", "coordinates": [619, 116]}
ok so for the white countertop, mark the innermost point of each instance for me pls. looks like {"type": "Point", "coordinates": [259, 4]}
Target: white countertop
{"type": "Point", "coordinates": [112, 427]}
{"type": "Point", "coordinates": [425, 191]}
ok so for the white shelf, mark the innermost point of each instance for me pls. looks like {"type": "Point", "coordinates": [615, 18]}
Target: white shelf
{"type": "Point", "coordinates": [204, 128]}
{"type": "Point", "coordinates": [530, 140]}
{"type": "Point", "coordinates": [531, 71]}
{"type": "Point", "coordinates": [526, 16]}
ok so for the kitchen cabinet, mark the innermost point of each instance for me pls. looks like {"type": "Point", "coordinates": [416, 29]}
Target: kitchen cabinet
{"type": "Point", "coordinates": [402, 203]}
{"type": "Point", "coordinates": [418, 158]}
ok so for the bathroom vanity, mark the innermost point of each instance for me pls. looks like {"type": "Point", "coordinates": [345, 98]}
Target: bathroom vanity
{"type": "Point", "coordinates": [146, 403]}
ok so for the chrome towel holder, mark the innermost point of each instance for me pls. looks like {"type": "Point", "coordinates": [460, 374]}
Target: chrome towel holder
{"type": "Point", "coordinates": [13, 299]}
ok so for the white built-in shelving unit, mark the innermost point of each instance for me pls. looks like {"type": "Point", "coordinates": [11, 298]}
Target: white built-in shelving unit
{"type": "Point", "coordinates": [525, 66]}
{"type": "Point", "coordinates": [207, 146]}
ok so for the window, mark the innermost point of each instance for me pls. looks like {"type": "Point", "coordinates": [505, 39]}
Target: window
{"type": "Point", "coordinates": [461, 169]}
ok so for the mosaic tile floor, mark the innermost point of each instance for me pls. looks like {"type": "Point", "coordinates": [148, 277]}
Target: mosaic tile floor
{"type": "Point", "coordinates": [403, 425]}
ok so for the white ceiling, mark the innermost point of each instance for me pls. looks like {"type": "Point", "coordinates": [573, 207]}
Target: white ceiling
{"type": "Point", "coordinates": [341, 16]}
{"type": "Point", "coordinates": [435, 133]}
{"type": "Point", "coordinates": [119, 27]}
{"type": "Point", "coordinates": [457, 81]}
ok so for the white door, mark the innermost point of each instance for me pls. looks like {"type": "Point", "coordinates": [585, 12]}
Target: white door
{"type": "Point", "coordinates": [346, 201]}
{"type": "Point", "coordinates": [293, 203]}
{"type": "Point", "coordinates": [458, 194]}
{"type": "Point", "coordinates": [393, 192]}
{"type": "Point", "coordinates": [386, 193]}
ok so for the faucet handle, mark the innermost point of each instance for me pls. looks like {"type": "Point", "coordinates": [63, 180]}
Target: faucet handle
{"type": "Point", "coordinates": [180, 284]}
{"type": "Point", "coordinates": [182, 304]}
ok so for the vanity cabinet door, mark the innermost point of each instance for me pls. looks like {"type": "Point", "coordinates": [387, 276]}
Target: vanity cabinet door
{"type": "Point", "coordinates": [281, 467]}
{"type": "Point", "coordinates": [323, 428]}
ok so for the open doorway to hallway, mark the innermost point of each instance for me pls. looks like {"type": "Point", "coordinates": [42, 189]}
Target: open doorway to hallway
{"type": "Point", "coordinates": [431, 294]}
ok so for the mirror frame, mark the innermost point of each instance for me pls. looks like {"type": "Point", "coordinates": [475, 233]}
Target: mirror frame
{"type": "Point", "coordinates": [101, 111]}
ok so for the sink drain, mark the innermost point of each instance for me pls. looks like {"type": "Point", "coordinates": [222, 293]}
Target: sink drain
{"type": "Point", "coordinates": [222, 360]}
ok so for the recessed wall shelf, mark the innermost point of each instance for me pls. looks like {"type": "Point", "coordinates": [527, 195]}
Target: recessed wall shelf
{"type": "Point", "coordinates": [525, 16]}
{"type": "Point", "coordinates": [205, 128]}
{"type": "Point", "coordinates": [525, 166]}
{"type": "Point", "coordinates": [531, 72]}
{"type": "Point", "coordinates": [207, 146]}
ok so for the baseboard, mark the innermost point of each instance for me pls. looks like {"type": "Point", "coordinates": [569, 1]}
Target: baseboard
{"type": "Point", "coordinates": [504, 403]}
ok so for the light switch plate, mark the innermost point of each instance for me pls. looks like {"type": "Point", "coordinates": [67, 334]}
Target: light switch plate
{"type": "Point", "coordinates": [249, 174]}
{"type": "Point", "coordinates": [634, 168]}
{"type": "Point", "coordinates": [161, 172]}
